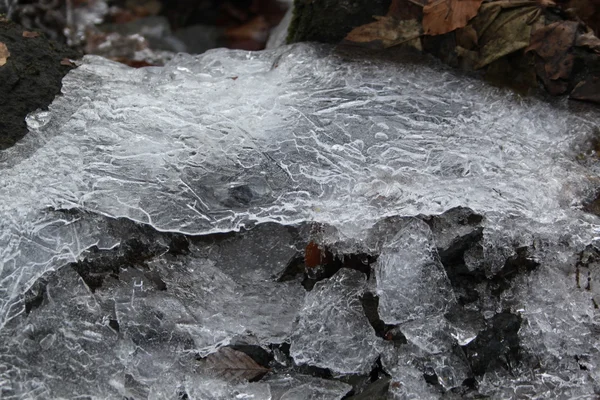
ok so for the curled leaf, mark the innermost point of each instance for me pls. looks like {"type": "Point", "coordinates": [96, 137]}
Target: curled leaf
{"type": "Point", "coordinates": [443, 16]}
{"type": "Point", "coordinates": [4, 54]}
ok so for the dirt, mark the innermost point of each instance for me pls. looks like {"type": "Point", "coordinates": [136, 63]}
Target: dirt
{"type": "Point", "coordinates": [29, 80]}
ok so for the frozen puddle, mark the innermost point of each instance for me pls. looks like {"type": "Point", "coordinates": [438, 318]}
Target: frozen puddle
{"type": "Point", "coordinates": [455, 257]}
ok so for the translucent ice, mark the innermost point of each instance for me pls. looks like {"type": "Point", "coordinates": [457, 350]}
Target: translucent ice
{"type": "Point", "coordinates": [333, 331]}
{"type": "Point", "coordinates": [302, 387]}
{"type": "Point", "coordinates": [230, 140]}
{"type": "Point", "coordinates": [411, 281]}
{"type": "Point", "coordinates": [129, 332]}
{"type": "Point", "coordinates": [227, 139]}
{"type": "Point", "coordinates": [436, 346]}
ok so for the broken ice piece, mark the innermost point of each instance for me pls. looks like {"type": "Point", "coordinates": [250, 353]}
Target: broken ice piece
{"type": "Point", "coordinates": [304, 387]}
{"type": "Point", "coordinates": [411, 281]}
{"type": "Point", "coordinates": [333, 331]}
{"type": "Point", "coordinates": [433, 338]}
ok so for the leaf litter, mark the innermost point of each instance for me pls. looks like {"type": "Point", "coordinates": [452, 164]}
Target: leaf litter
{"type": "Point", "coordinates": [233, 365]}
{"type": "Point", "coordinates": [515, 41]}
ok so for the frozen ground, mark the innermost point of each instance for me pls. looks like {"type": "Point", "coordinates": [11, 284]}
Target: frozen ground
{"type": "Point", "coordinates": [121, 268]}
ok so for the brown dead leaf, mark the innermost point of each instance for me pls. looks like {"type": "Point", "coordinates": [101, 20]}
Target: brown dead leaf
{"type": "Point", "coordinates": [255, 29]}
{"type": "Point", "coordinates": [234, 365]}
{"type": "Point", "coordinates": [588, 90]}
{"type": "Point", "coordinates": [504, 30]}
{"type": "Point", "coordinates": [546, 3]}
{"type": "Point", "coordinates": [554, 62]}
{"type": "Point", "coordinates": [443, 16]}
{"type": "Point", "coordinates": [29, 34]}
{"type": "Point", "coordinates": [313, 255]}
{"type": "Point", "coordinates": [589, 40]}
{"type": "Point", "coordinates": [67, 62]}
{"type": "Point", "coordinates": [387, 32]}
{"type": "Point", "coordinates": [132, 63]}
{"type": "Point", "coordinates": [4, 54]}
{"type": "Point", "coordinates": [406, 9]}
{"type": "Point", "coordinates": [399, 26]}
{"type": "Point", "coordinates": [466, 38]}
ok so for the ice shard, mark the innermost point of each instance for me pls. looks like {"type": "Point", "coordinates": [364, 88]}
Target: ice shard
{"type": "Point", "coordinates": [333, 331]}
{"type": "Point", "coordinates": [411, 281]}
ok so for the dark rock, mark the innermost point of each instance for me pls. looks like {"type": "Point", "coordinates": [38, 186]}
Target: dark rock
{"type": "Point", "coordinates": [497, 346]}
{"type": "Point", "coordinates": [454, 231]}
{"type": "Point", "coordinates": [377, 390]}
{"type": "Point", "coordinates": [29, 80]}
{"type": "Point", "coordinates": [330, 21]}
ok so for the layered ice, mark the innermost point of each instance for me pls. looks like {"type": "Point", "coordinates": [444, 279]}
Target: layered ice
{"type": "Point", "coordinates": [232, 140]}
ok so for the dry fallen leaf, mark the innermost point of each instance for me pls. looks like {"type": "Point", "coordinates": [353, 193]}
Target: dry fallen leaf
{"type": "Point", "coordinates": [406, 9]}
{"type": "Point", "coordinates": [554, 62]}
{"type": "Point", "coordinates": [4, 54]}
{"type": "Point", "coordinates": [508, 31]}
{"type": "Point", "coordinates": [387, 32]}
{"type": "Point", "coordinates": [467, 38]}
{"type": "Point", "coordinates": [546, 3]}
{"type": "Point", "coordinates": [312, 255]}
{"type": "Point", "coordinates": [29, 34]}
{"type": "Point", "coordinates": [588, 90]}
{"type": "Point", "coordinates": [399, 26]}
{"type": "Point", "coordinates": [67, 62]}
{"type": "Point", "coordinates": [589, 40]}
{"type": "Point", "coordinates": [233, 365]}
{"type": "Point", "coordinates": [443, 16]}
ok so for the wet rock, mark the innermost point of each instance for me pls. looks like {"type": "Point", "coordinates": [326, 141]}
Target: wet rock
{"type": "Point", "coordinates": [377, 390]}
{"type": "Point", "coordinates": [497, 346]}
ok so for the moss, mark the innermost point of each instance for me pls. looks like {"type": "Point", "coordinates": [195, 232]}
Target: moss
{"type": "Point", "coordinates": [330, 21]}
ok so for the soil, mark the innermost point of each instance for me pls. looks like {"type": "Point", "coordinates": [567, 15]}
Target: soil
{"type": "Point", "coordinates": [29, 80]}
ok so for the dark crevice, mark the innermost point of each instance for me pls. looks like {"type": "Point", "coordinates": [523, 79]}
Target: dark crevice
{"type": "Point", "coordinates": [317, 372]}
{"type": "Point", "coordinates": [497, 346]}
{"type": "Point", "coordinates": [35, 295]}
{"type": "Point", "coordinates": [370, 303]}
{"type": "Point", "coordinates": [375, 388]}
{"type": "Point", "coordinates": [431, 378]}
{"type": "Point", "coordinates": [331, 264]}
{"type": "Point", "coordinates": [179, 245]}
{"type": "Point", "coordinates": [304, 369]}
{"type": "Point", "coordinates": [182, 394]}
{"type": "Point", "coordinates": [294, 268]}
{"type": "Point", "coordinates": [100, 264]}
{"type": "Point", "coordinates": [519, 264]}
{"type": "Point", "coordinates": [464, 281]}
{"type": "Point", "coordinates": [257, 353]}
{"type": "Point", "coordinates": [456, 231]}
{"type": "Point", "coordinates": [114, 324]}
